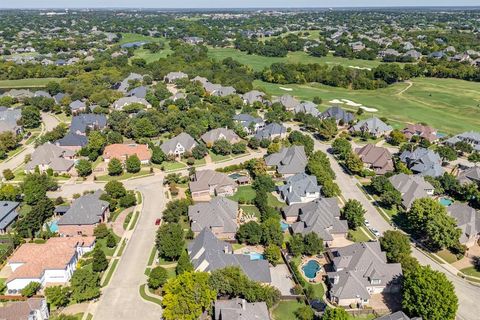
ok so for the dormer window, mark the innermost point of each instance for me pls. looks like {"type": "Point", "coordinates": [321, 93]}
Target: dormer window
{"type": "Point", "coordinates": [375, 281]}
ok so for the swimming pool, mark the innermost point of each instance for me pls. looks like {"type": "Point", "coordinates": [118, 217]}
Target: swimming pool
{"type": "Point", "coordinates": [311, 268]}
{"type": "Point", "coordinates": [255, 255]}
{"type": "Point", "coordinates": [284, 225]}
{"type": "Point", "coordinates": [445, 202]}
{"type": "Point", "coordinates": [53, 226]}
{"type": "Point", "coordinates": [235, 176]}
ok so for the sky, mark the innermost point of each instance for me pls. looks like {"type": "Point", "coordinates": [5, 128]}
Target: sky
{"type": "Point", "coordinates": [227, 4]}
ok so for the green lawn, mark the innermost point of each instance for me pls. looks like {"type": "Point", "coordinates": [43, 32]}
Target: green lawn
{"type": "Point", "coordinates": [244, 194]}
{"type": "Point", "coordinates": [27, 83]}
{"type": "Point", "coordinates": [358, 235]}
{"type": "Point", "coordinates": [124, 176]}
{"type": "Point", "coordinates": [150, 56]}
{"type": "Point", "coordinates": [318, 290]}
{"type": "Point", "coordinates": [259, 62]}
{"type": "Point", "coordinates": [450, 105]}
{"type": "Point", "coordinates": [173, 165]}
{"type": "Point", "coordinates": [285, 310]}
{"type": "Point", "coordinates": [144, 296]}
{"type": "Point", "coordinates": [218, 157]}
{"type": "Point", "coordinates": [135, 37]}
{"type": "Point", "coordinates": [471, 271]}
{"type": "Point", "coordinates": [103, 244]}
{"type": "Point", "coordinates": [134, 222]}
{"type": "Point", "coordinates": [274, 202]}
{"type": "Point", "coordinates": [110, 273]}
{"type": "Point", "coordinates": [251, 210]}
{"type": "Point", "coordinates": [446, 255]}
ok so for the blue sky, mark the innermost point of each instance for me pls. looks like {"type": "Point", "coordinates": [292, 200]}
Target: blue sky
{"type": "Point", "coordinates": [228, 4]}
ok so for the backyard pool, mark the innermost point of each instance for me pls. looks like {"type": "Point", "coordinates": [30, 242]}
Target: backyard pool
{"type": "Point", "coordinates": [235, 176]}
{"type": "Point", "coordinates": [311, 268]}
{"type": "Point", "coordinates": [445, 202]}
{"type": "Point", "coordinates": [284, 225]}
{"type": "Point", "coordinates": [53, 226]}
{"type": "Point", "coordinates": [255, 255]}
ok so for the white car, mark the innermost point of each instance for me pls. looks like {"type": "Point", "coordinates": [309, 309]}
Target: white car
{"type": "Point", "coordinates": [375, 232]}
{"type": "Point", "coordinates": [366, 223]}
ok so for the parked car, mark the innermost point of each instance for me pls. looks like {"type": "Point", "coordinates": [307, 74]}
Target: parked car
{"type": "Point", "coordinates": [367, 223]}
{"type": "Point", "coordinates": [157, 222]}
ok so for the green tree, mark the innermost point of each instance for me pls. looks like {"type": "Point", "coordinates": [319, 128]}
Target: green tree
{"type": "Point", "coordinates": [85, 285]}
{"type": "Point", "coordinates": [9, 192]}
{"type": "Point", "coordinates": [305, 313]}
{"type": "Point", "coordinates": [31, 289]}
{"type": "Point", "coordinates": [133, 164]}
{"type": "Point", "coordinates": [354, 163]}
{"type": "Point", "coordinates": [429, 294]}
{"type": "Point", "coordinates": [111, 241]}
{"type": "Point", "coordinates": [312, 244]}
{"type": "Point", "coordinates": [330, 189]}
{"type": "Point", "coordinates": [128, 200]}
{"type": "Point", "coordinates": [327, 129]}
{"type": "Point", "coordinates": [158, 277]}
{"type": "Point", "coordinates": [175, 210]}
{"type": "Point", "coordinates": [300, 139]}
{"type": "Point", "coordinates": [341, 147]}
{"type": "Point", "coordinates": [8, 174]}
{"type": "Point", "coordinates": [170, 241]}
{"type": "Point", "coordinates": [263, 182]}
{"type": "Point", "coordinates": [187, 296]}
{"type": "Point", "coordinates": [446, 153]}
{"type": "Point", "coordinates": [272, 254]}
{"type": "Point", "coordinates": [250, 233]}
{"type": "Point", "coordinates": [295, 244]}
{"type": "Point", "coordinates": [474, 157]}
{"type": "Point", "coordinates": [101, 231]}
{"type": "Point", "coordinates": [272, 232]}
{"type": "Point", "coordinates": [335, 314]}
{"type": "Point", "coordinates": [35, 187]}
{"type": "Point", "coordinates": [115, 167]}
{"type": "Point", "coordinates": [99, 260]}
{"type": "Point", "coordinates": [30, 117]}
{"type": "Point", "coordinates": [158, 156]}
{"type": "Point", "coordinates": [84, 167]}
{"type": "Point", "coordinates": [183, 264]}
{"type": "Point", "coordinates": [222, 147]}
{"type": "Point", "coordinates": [115, 189]}
{"type": "Point", "coordinates": [397, 137]}
{"type": "Point", "coordinates": [58, 296]}
{"type": "Point", "coordinates": [396, 245]}
{"type": "Point", "coordinates": [96, 142]}
{"type": "Point", "coordinates": [353, 212]}
{"type": "Point", "coordinates": [391, 198]}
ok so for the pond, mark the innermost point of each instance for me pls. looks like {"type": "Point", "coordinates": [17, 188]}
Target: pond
{"type": "Point", "coordinates": [311, 268]}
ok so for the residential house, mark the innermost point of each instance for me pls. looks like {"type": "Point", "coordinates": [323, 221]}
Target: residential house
{"type": "Point", "coordinates": [254, 96]}
{"type": "Point", "coordinates": [72, 141]}
{"type": "Point", "coordinates": [411, 187]}
{"type": "Point", "coordinates": [307, 107]}
{"type": "Point", "coordinates": [288, 161]}
{"type": "Point", "coordinates": [123, 151]}
{"type": "Point", "coordinates": [422, 131]}
{"type": "Point", "coordinates": [8, 214]}
{"type": "Point", "coordinates": [125, 101]}
{"type": "Point", "coordinates": [30, 309]}
{"type": "Point", "coordinates": [359, 271]}
{"type": "Point", "coordinates": [9, 120]}
{"type": "Point", "coordinates": [271, 131]}
{"type": "Point", "coordinates": [219, 215]}
{"type": "Point", "coordinates": [469, 175]}
{"type": "Point", "coordinates": [471, 137]}
{"type": "Point", "coordinates": [18, 94]}
{"type": "Point", "coordinates": [59, 97]}
{"type": "Point", "coordinates": [52, 262]}
{"type": "Point", "coordinates": [372, 126]}
{"type": "Point", "coordinates": [138, 92]}
{"type": "Point", "coordinates": [422, 161]}
{"type": "Point", "coordinates": [240, 309]}
{"type": "Point", "coordinates": [205, 184]}
{"type": "Point", "coordinates": [50, 156]}
{"type": "Point", "coordinates": [288, 102]}
{"type": "Point", "coordinates": [84, 215]}
{"type": "Point", "coordinates": [77, 107]}
{"type": "Point", "coordinates": [207, 253]}
{"type": "Point", "coordinates": [300, 188]}
{"type": "Point", "coordinates": [468, 220]}
{"type": "Point", "coordinates": [193, 40]}
{"type": "Point", "coordinates": [388, 53]}
{"type": "Point", "coordinates": [321, 216]}
{"type": "Point", "coordinates": [249, 124]}
{"type": "Point", "coordinates": [210, 137]}
{"type": "Point", "coordinates": [83, 123]}
{"type": "Point", "coordinates": [399, 315]}
{"type": "Point", "coordinates": [178, 145]}
{"type": "Point", "coordinates": [224, 91]}
{"type": "Point", "coordinates": [338, 114]}
{"type": "Point", "coordinates": [413, 54]}
{"type": "Point", "coordinates": [171, 77]}
{"type": "Point", "coordinates": [42, 93]}
{"type": "Point", "coordinates": [125, 84]}
{"type": "Point", "coordinates": [376, 158]}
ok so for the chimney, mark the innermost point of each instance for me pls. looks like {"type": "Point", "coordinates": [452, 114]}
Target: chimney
{"type": "Point", "coordinates": [244, 304]}
{"type": "Point", "coordinates": [225, 249]}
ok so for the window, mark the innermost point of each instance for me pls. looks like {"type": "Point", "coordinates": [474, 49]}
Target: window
{"type": "Point", "coordinates": [375, 281]}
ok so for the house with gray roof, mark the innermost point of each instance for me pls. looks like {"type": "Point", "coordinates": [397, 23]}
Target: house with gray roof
{"type": "Point", "coordinates": [411, 187]}
{"type": "Point", "coordinates": [177, 146]}
{"type": "Point", "coordinates": [469, 175]}
{"type": "Point", "coordinates": [300, 188]}
{"type": "Point", "coordinates": [413, 54]}
{"type": "Point", "coordinates": [254, 96]}
{"type": "Point", "coordinates": [210, 137]}
{"type": "Point", "coordinates": [138, 92]}
{"type": "Point", "coordinates": [338, 114]}
{"type": "Point", "coordinates": [125, 84]}
{"type": "Point", "coordinates": [372, 126]}
{"type": "Point", "coordinates": [72, 141]}
{"type": "Point", "coordinates": [207, 253]}
{"type": "Point", "coordinates": [288, 161]}
{"type": "Point", "coordinates": [30, 309]}
{"type": "Point", "coordinates": [125, 101]}
{"type": "Point", "coordinates": [77, 106]}
{"type": "Point", "coordinates": [205, 184]}
{"type": "Point", "coordinates": [249, 124]}
{"type": "Point", "coordinates": [18, 94]}
{"type": "Point", "coordinates": [8, 214]}
{"type": "Point", "coordinates": [399, 315]}
{"type": "Point", "coordinates": [84, 215]}
{"type": "Point", "coordinates": [288, 102]}
{"type": "Point", "coordinates": [42, 93]}
{"type": "Point", "coordinates": [360, 270]}
{"type": "Point", "coordinates": [58, 98]}
{"type": "Point", "coordinates": [468, 220]}
{"type": "Point", "coordinates": [219, 215]}
{"type": "Point", "coordinates": [240, 309]}
{"type": "Point", "coordinates": [471, 137]}
{"type": "Point", "coordinates": [271, 131]}
{"type": "Point", "coordinates": [321, 216]}
{"type": "Point", "coordinates": [50, 156]}
{"type": "Point", "coordinates": [8, 120]}
{"type": "Point", "coordinates": [422, 161]}
{"type": "Point", "coordinates": [87, 122]}
{"type": "Point", "coordinates": [174, 76]}
{"type": "Point", "coordinates": [224, 91]}
{"type": "Point", "coordinates": [307, 107]}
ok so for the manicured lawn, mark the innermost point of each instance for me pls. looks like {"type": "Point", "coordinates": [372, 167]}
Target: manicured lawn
{"type": "Point", "coordinates": [260, 62]}
{"type": "Point", "coordinates": [150, 56]}
{"type": "Point", "coordinates": [274, 202]}
{"type": "Point", "coordinates": [134, 222]}
{"type": "Point", "coordinates": [103, 244]}
{"type": "Point", "coordinates": [251, 210]}
{"type": "Point", "coordinates": [152, 256]}
{"type": "Point", "coordinates": [244, 194]}
{"type": "Point", "coordinates": [124, 176]}
{"type": "Point", "coordinates": [218, 157]}
{"type": "Point", "coordinates": [136, 37]}
{"type": "Point", "coordinates": [318, 290]}
{"type": "Point", "coordinates": [471, 271]}
{"type": "Point", "coordinates": [122, 248]}
{"type": "Point", "coordinates": [144, 296]}
{"type": "Point", "coordinates": [285, 310]}
{"type": "Point", "coordinates": [171, 273]}
{"type": "Point", "coordinates": [110, 273]}
{"type": "Point", "coordinates": [446, 255]}
{"type": "Point", "coordinates": [450, 105]}
{"type": "Point", "coordinates": [27, 83]}
{"type": "Point", "coordinates": [358, 235]}
{"type": "Point", "coordinates": [173, 165]}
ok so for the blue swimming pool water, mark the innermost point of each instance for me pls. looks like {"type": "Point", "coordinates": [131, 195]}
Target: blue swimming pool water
{"type": "Point", "coordinates": [445, 202]}
{"type": "Point", "coordinates": [53, 226]}
{"type": "Point", "coordinates": [255, 256]}
{"type": "Point", "coordinates": [284, 225]}
{"type": "Point", "coordinates": [235, 176]}
{"type": "Point", "coordinates": [311, 268]}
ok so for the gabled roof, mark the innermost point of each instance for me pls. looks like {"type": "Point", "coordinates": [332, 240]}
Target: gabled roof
{"type": "Point", "coordinates": [290, 160]}
{"type": "Point", "coordinates": [77, 105]}
{"type": "Point", "coordinates": [240, 309]}
{"type": "Point", "coordinates": [377, 157]}
{"type": "Point", "coordinates": [307, 107]}
{"type": "Point", "coordinates": [470, 175]}
{"type": "Point", "coordinates": [51, 155]}
{"type": "Point", "coordinates": [467, 218]}
{"type": "Point", "coordinates": [121, 151]}
{"type": "Point", "coordinates": [423, 161]}
{"type": "Point", "coordinates": [138, 92]}
{"type": "Point", "coordinates": [86, 210]}
{"type": "Point", "coordinates": [8, 213]}
{"type": "Point", "coordinates": [81, 122]}
{"type": "Point", "coordinates": [123, 87]}
{"type": "Point", "coordinates": [373, 126]}
{"type": "Point", "coordinates": [338, 114]}
{"type": "Point", "coordinates": [213, 135]}
{"type": "Point", "coordinates": [322, 217]}
{"type": "Point", "coordinates": [288, 102]}
{"type": "Point", "coordinates": [411, 187]}
{"type": "Point", "coordinates": [246, 119]}
{"type": "Point", "coordinates": [253, 96]}
{"type": "Point", "coordinates": [270, 130]}
{"type": "Point", "coordinates": [220, 212]}
{"type": "Point", "coordinates": [184, 139]}
{"type": "Point", "coordinates": [125, 101]}
{"type": "Point", "coordinates": [9, 118]}
{"type": "Point", "coordinates": [204, 179]}
{"type": "Point", "coordinates": [299, 186]}
{"type": "Point", "coordinates": [21, 310]}
{"type": "Point", "coordinates": [72, 140]}
{"type": "Point", "coordinates": [399, 315]}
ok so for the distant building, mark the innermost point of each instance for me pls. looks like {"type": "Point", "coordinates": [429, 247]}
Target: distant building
{"type": "Point", "coordinates": [177, 146]}
{"type": "Point", "coordinates": [123, 151]}
{"type": "Point", "coordinates": [240, 309]}
{"type": "Point", "coordinates": [50, 156]}
{"type": "Point", "coordinates": [372, 126]}
{"type": "Point", "coordinates": [210, 137]}
{"type": "Point", "coordinates": [338, 114]}
{"type": "Point", "coordinates": [421, 131]}
{"type": "Point", "coordinates": [468, 220]}
{"type": "Point", "coordinates": [206, 184]}
{"type": "Point", "coordinates": [469, 175]}
{"type": "Point", "coordinates": [271, 131]}
{"type": "Point", "coordinates": [9, 119]}
{"type": "Point", "coordinates": [171, 77]}
{"type": "Point", "coordinates": [249, 124]}
{"type": "Point", "coordinates": [8, 214]}
{"type": "Point", "coordinates": [472, 138]}
{"type": "Point", "coordinates": [288, 161]}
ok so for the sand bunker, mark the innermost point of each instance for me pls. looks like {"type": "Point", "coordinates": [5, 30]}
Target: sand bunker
{"type": "Point", "coordinates": [351, 103]}
{"type": "Point", "coordinates": [369, 109]}
{"type": "Point", "coordinates": [336, 101]}
{"type": "Point", "coordinates": [286, 89]}
{"type": "Point", "coordinates": [360, 68]}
